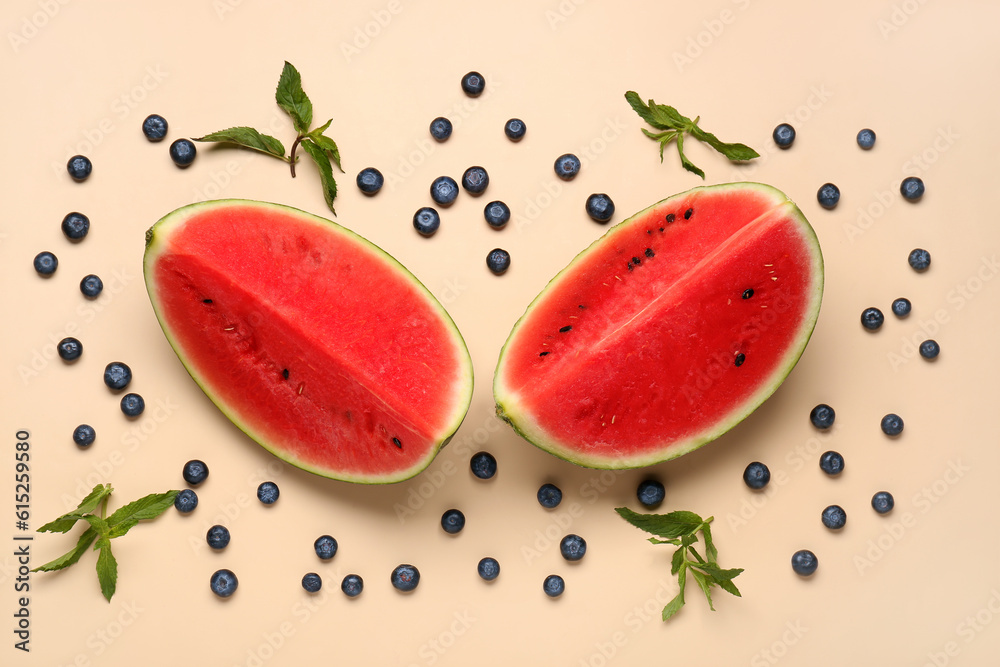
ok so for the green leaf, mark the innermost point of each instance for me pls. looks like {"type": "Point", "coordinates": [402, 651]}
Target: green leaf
{"type": "Point", "coordinates": [656, 540]}
{"type": "Point", "coordinates": [675, 605]}
{"type": "Point", "coordinates": [88, 504]}
{"type": "Point", "coordinates": [319, 156]}
{"type": "Point", "coordinates": [687, 164]}
{"type": "Point", "coordinates": [107, 568]}
{"type": "Point", "coordinates": [710, 551]}
{"type": "Point", "coordinates": [677, 561]}
{"type": "Point", "coordinates": [329, 147]}
{"type": "Point", "coordinates": [729, 587]}
{"type": "Point", "coordinates": [69, 558]}
{"type": "Point", "coordinates": [290, 97]}
{"type": "Point", "coordinates": [98, 524]}
{"type": "Point", "coordinates": [148, 507]}
{"type": "Point", "coordinates": [658, 115]}
{"type": "Point", "coordinates": [736, 152]}
{"type": "Point", "coordinates": [704, 585]}
{"type": "Point", "coordinates": [247, 137]}
{"type": "Point", "coordinates": [674, 524]}
{"type": "Point", "coordinates": [718, 574]}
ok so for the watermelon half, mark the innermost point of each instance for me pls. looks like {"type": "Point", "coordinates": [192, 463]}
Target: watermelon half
{"type": "Point", "coordinates": [313, 341]}
{"type": "Point", "coordinates": [667, 331]}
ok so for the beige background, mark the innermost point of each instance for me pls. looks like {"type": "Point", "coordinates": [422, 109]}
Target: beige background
{"type": "Point", "coordinates": [905, 589]}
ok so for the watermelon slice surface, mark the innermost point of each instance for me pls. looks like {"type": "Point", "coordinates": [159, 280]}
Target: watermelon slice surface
{"type": "Point", "coordinates": [667, 331]}
{"type": "Point", "coordinates": [313, 341]}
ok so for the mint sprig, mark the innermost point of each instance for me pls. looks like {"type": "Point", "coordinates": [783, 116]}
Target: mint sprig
{"type": "Point", "coordinates": [681, 529]}
{"type": "Point", "coordinates": [102, 530]}
{"type": "Point", "coordinates": [675, 125]}
{"type": "Point", "coordinates": [293, 100]}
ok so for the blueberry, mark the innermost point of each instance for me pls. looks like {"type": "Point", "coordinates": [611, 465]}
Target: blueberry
{"type": "Point", "coordinates": [892, 424]}
{"type": "Point", "coordinates": [70, 349]}
{"type": "Point", "coordinates": [567, 166]}
{"type": "Point", "coordinates": [79, 168]}
{"type": "Point", "coordinates": [405, 577]}
{"type": "Point", "coordinates": [217, 537]}
{"type": "Point", "coordinates": [444, 190]}
{"type": "Point", "coordinates": [549, 496]}
{"type": "Point", "coordinates": [186, 501]}
{"type": "Point", "coordinates": [224, 583]}
{"type": "Point", "coordinates": [325, 547]}
{"type": "Point", "coordinates": [117, 375]}
{"type": "Point", "coordinates": [268, 493]}
{"type": "Point", "coordinates": [553, 585]}
{"type": "Point", "coordinates": [370, 180]}
{"type": "Point", "coordinates": [929, 349]}
{"type": "Point", "coordinates": [882, 502]}
{"type": "Point", "coordinates": [45, 263]}
{"type": "Point", "coordinates": [132, 405]}
{"type": "Point", "coordinates": [475, 180]}
{"type": "Point", "coordinates": [183, 152]}
{"type": "Point", "coordinates": [912, 188]}
{"type": "Point", "coordinates": [426, 221]}
{"type": "Point", "coordinates": [828, 195]}
{"type": "Point", "coordinates": [473, 84]}
{"type": "Point", "coordinates": [488, 568]}
{"type": "Point", "coordinates": [756, 475]}
{"type": "Point", "coordinates": [483, 465]}
{"type": "Point", "coordinates": [440, 128]}
{"type": "Point", "coordinates": [901, 307]}
{"type": "Point", "coordinates": [804, 562]}
{"type": "Point", "coordinates": [783, 135]}
{"type": "Point", "coordinates": [75, 226]}
{"type": "Point", "coordinates": [453, 521]}
{"type": "Point", "coordinates": [312, 582]}
{"type": "Point", "coordinates": [154, 127]}
{"type": "Point", "coordinates": [872, 319]}
{"type": "Point", "coordinates": [650, 493]}
{"type": "Point", "coordinates": [919, 259]}
{"type": "Point", "coordinates": [497, 214]}
{"type": "Point", "coordinates": [195, 472]}
{"type": "Point", "coordinates": [822, 416]}
{"type": "Point", "coordinates": [573, 547]}
{"type": "Point", "coordinates": [600, 207]}
{"type": "Point", "coordinates": [834, 517]}
{"type": "Point", "coordinates": [866, 139]}
{"type": "Point", "coordinates": [498, 261]}
{"type": "Point", "coordinates": [84, 435]}
{"type": "Point", "coordinates": [832, 463]}
{"type": "Point", "coordinates": [352, 585]}
{"type": "Point", "coordinates": [514, 129]}
{"type": "Point", "coordinates": [91, 286]}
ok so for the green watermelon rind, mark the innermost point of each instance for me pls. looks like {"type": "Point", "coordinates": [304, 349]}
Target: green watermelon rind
{"type": "Point", "coordinates": [507, 408]}
{"type": "Point", "coordinates": [163, 227]}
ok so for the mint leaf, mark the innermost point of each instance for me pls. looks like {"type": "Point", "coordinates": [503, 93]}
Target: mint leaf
{"type": "Point", "coordinates": [736, 152]}
{"type": "Point", "coordinates": [247, 137]}
{"type": "Point", "coordinates": [710, 551]}
{"type": "Point", "coordinates": [687, 164]}
{"type": "Point", "coordinates": [87, 505]}
{"type": "Point", "coordinates": [703, 584]}
{"type": "Point", "coordinates": [290, 97]}
{"type": "Point", "coordinates": [107, 568]}
{"type": "Point", "coordinates": [148, 507]}
{"type": "Point", "coordinates": [677, 561]}
{"type": "Point", "coordinates": [658, 115]}
{"type": "Point", "coordinates": [329, 147]}
{"type": "Point", "coordinates": [674, 524]}
{"type": "Point", "coordinates": [319, 156]}
{"type": "Point", "coordinates": [718, 574]}
{"type": "Point", "coordinates": [675, 605]}
{"type": "Point", "coordinates": [70, 557]}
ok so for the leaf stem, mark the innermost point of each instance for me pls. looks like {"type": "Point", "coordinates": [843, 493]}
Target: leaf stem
{"type": "Point", "coordinates": [291, 157]}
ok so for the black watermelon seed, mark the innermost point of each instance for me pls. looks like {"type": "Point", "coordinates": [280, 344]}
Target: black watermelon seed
{"type": "Point", "coordinates": [206, 301]}
{"type": "Point", "coordinates": [688, 213]}
{"type": "Point", "coordinates": [542, 354]}
{"type": "Point", "coordinates": [582, 307]}
{"type": "Point", "coordinates": [284, 373]}
{"type": "Point", "coordinates": [670, 217]}
{"type": "Point", "coordinates": [649, 252]}
{"type": "Point", "coordinates": [565, 328]}
{"type": "Point", "coordinates": [396, 442]}
{"type": "Point", "coordinates": [747, 293]}
{"type": "Point", "coordinates": [649, 231]}
{"type": "Point", "coordinates": [636, 261]}
{"type": "Point", "coordinates": [629, 266]}
{"type": "Point", "coordinates": [661, 229]}
{"type": "Point", "coordinates": [740, 358]}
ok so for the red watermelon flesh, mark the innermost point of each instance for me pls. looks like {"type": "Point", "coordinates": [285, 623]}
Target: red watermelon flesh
{"type": "Point", "coordinates": [315, 342]}
{"type": "Point", "coordinates": [651, 343]}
